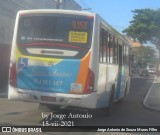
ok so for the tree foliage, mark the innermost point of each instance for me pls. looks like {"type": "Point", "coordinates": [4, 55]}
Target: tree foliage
{"type": "Point", "coordinates": [145, 26]}
{"type": "Point", "coordinates": [148, 52]}
{"type": "Point", "coordinates": [145, 53]}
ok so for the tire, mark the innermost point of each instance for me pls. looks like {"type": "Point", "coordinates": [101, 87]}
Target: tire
{"type": "Point", "coordinates": [111, 100]}
{"type": "Point", "coordinates": [125, 93]}
{"type": "Point", "coordinates": [126, 88]}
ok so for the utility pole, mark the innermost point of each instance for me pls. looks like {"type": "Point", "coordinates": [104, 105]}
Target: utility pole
{"type": "Point", "coordinates": [64, 4]}
{"type": "Point", "coordinates": [58, 3]}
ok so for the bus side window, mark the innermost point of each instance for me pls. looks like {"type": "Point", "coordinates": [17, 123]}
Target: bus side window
{"type": "Point", "coordinates": [111, 55]}
{"type": "Point", "coordinates": [100, 47]}
{"type": "Point", "coordinates": [103, 46]}
{"type": "Point", "coordinates": [127, 55]}
{"type": "Point", "coordinates": [124, 54]}
{"type": "Point", "coordinates": [115, 51]}
{"type": "Point", "coordinates": [107, 46]}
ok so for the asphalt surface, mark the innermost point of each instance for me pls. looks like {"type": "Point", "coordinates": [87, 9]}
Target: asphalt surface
{"type": "Point", "coordinates": [152, 100]}
{"type": "Point", "coordinates": [138, 91]}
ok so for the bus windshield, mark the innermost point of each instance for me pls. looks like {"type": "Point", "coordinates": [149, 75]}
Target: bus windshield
{"type": "Point", "coordinates": [67, 30]}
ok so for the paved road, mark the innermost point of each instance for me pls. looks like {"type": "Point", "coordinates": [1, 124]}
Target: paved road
{"type": "Point", "coordinates": [129, 112]}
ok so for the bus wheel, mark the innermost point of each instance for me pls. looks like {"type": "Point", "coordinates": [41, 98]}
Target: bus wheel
{"type": "Point", "coordinates": [125, 93]}
{"type": "Point", "coordinates": [111, 100]}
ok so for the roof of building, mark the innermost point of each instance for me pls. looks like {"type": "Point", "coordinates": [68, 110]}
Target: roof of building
{"type": "Point", "coordinates": [133, 43]}
{"type": "Point", "coordinates": [136, 44]}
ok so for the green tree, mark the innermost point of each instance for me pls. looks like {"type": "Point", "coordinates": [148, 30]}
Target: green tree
{"type": "Point", "coordinates": [145, 54]}
{"type": "Point", "coordinates": [145, 26]}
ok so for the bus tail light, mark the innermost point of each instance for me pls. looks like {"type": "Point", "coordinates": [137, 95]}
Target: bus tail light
{"type": "Point", "coordinates": [13, 75]}
{"type": "Point", "coordinates": [89, 87]}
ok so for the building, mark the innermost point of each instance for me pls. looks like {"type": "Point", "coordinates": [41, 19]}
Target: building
{"type": "Point", "coordinates": [134, 44]}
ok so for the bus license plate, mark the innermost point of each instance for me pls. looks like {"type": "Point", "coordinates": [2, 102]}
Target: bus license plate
{"type": "Point", "coordinates": [46, 98]}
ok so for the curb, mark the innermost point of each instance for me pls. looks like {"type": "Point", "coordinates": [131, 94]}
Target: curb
{"type": "Point", "coordinates": [145, 100]}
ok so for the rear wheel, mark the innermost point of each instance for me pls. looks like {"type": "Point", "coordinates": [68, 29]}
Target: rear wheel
{"type": "Point", "coordinates": [108, 109]}
{"type": "Point", "coordinates": [125, 93]}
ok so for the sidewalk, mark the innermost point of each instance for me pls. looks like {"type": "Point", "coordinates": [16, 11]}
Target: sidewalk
{"type": "Point", "coordinates": [152, 100]}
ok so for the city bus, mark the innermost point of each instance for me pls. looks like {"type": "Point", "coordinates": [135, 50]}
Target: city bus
{"type": "Point", "coordinates": [68, 58]}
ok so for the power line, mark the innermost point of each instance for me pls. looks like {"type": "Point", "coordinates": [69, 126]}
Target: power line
{"type": "Point", "coordinates": [84, 5]}
{"type": "Point", "coordinates": [80, 2]}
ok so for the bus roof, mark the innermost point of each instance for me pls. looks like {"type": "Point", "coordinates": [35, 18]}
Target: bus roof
{"type": "Point", "coordinates": [56, 11]}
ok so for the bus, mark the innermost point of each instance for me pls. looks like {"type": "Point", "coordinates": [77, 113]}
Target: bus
{"type": "Point", "coordinates": [68, 58]}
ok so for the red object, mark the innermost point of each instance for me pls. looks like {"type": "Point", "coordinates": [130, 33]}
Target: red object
{"type": "Point", "coordinates": [89, 87]}
{"type": "Point", "coordinates": [90, 17]}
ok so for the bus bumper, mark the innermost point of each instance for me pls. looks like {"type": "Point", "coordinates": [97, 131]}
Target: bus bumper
{"type": "Point", "coordinates": [61, 99]}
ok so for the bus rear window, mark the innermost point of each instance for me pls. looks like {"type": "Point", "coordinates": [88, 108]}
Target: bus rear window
{"type": "Point", "coordinates": [69, 30]}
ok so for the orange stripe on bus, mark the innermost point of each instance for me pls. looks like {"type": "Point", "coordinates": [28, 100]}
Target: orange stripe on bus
{"type": "Point", "coordinates": [83, 71]}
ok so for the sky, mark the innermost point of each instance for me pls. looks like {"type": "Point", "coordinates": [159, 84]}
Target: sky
{"type": "Point", "coordinates": [118, 13]}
